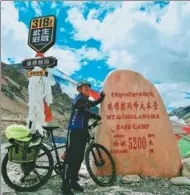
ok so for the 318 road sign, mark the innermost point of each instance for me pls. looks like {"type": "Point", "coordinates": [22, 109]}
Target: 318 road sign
{"type": "Point", "coordinates": [42, 33]}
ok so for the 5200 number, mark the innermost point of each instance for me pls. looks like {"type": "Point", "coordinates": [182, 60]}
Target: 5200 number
{"type": "Point", "coordinates": [137, 143]}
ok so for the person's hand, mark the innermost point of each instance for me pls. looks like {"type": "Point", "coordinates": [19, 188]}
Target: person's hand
{"type": "Point", "coordinates": [102, 96]}
{"type": "Point", "coordinates": [98, 117]}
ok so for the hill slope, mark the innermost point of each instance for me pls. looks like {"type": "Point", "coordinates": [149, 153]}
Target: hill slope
{"type": "Point", "coordinates": [14, 98]}
{"type": "Point", "coordinates": [182, 112]}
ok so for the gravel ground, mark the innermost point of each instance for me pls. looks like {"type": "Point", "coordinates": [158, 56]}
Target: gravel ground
{"type": "Point", "coordinates": [146, 186]}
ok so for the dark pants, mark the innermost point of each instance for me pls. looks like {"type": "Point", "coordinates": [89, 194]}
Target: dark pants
{"type": "Point", "coordinates": [76, 143]}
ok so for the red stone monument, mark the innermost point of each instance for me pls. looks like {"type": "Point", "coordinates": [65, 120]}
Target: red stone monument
{"type": "Point", "coordinates": [136, 128]}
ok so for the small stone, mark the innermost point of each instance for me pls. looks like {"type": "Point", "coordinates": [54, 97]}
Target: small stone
{"type": "Point", "coordinates": [185, 172]}
{"type": "Point", "coordinates": [131, 179]}
{"type": "Point", "coordinates": [186, 164]}
{"type": "Point", "coordinates": [180, 181]}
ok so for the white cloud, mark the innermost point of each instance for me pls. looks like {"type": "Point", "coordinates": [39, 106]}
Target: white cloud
{"type": "Point", "coordinates": [105, 7]}
{"type": "Point", "coordinates": [93, 13]}
{"type": "Point", "coordinates": [173, 94]}
{"type": "Point", "coordinates": [122, 56]}
{"type": "Point", "coordinates": [78, 4]}
{"type": "Point", "coordinates": [53, 5]}
{"type": "Point", "coordinates": [95, 83]}
{"type": "Point", "coordinates": [62, 29]}
{"type": "Point", "coordinates": [67, 59]}
{"type": "Point", "coordinates": [90, 79]}
{"type": "Point", "coordinates": [36, 7]}
{"type": "Point", "coordinates": [26, 3]}
{"type": "Point", "coordinates": [85, 63]}
{"type": "Point", "coordinates": [23, 9]}
{"type": "Point", "coordinates": [142, 41]}
{"type": "Point", "coordinates": [14, 35]}
{"type": "Point", "coordinates": [133, 40]}
{"type": "Point", "coordinates": [90, 53]}
{"type": "Point", "coordinates": [90, 26]}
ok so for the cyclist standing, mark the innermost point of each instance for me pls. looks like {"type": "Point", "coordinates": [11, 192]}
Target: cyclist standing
{"type": "Point", "coordinates": [78, 134]}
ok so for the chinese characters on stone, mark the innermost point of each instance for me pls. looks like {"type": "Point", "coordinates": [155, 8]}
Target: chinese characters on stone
{"type": "Point", "coordinates": [134, 143]}
{"type": "Point", "coordinates": [122, 106]}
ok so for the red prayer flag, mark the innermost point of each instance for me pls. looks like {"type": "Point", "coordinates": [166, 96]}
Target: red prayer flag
{"type": "Point", "coordinates": [95, 95]}
{"type": "Point", "coordinates": [178, 136]}
{"type": "Point", "coordinates": [186, 129]}
{"type": "Point", "coordinates": [47, 112]}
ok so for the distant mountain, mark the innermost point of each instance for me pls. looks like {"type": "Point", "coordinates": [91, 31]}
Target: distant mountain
{"type": "Point", "coordinates": [182, 112]}
{"type": "Point", "coordinates": [14, 95]}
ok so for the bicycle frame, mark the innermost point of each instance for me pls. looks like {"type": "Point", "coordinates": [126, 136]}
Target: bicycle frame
{"type": "Point", "coordinates": [46, 136]}
{"type": "Point", "coordinates": [91, 141]}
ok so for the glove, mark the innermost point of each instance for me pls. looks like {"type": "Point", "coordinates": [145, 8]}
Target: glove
{"type": "Point", "coordinates": [102, 96]}
{"type": "Point", "coordinates": [96, 117]}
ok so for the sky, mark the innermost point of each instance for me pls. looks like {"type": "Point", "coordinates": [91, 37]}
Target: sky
{"type": "Point", "coordinates": [94, 38]}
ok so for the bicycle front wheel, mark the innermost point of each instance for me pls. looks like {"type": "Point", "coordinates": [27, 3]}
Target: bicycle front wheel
{"type": "Point", "coordinates": [100, 165]}
{"type": "Point", "coordinates": [28, 176]}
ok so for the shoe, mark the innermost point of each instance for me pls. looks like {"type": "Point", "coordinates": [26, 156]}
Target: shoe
{"type": "Point", "coordinates": [76, 186]}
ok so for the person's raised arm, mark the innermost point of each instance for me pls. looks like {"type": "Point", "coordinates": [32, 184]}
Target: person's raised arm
{"type": "Point", "coordinates": [96, 102]}
{"type": "Point", "coordinates": [80, 104]}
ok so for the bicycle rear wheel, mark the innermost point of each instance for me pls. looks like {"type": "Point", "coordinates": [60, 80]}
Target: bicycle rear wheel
{"type": "Point", "coordinates": [100, 165]}
{"type": "Point", "coordinates": [28, 176]}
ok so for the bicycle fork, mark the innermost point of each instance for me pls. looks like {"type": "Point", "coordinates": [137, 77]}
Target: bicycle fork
{"type": "Point", "coordinates": [98, 163]}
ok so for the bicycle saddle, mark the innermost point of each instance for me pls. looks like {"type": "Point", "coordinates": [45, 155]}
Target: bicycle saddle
{"type": "Point", "coordinates": [50, 128]}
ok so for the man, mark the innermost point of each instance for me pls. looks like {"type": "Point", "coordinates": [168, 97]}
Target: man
{"type": "Point", "coordinates": [78, 134]}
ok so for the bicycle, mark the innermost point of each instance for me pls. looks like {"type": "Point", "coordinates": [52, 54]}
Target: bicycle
{"type": "Point", "coordinates": [100, 159]}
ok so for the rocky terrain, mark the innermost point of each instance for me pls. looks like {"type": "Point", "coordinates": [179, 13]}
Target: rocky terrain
{"type": "Point", "coordinates": [132, 185]}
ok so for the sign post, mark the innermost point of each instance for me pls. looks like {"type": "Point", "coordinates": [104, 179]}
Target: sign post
{"type": "Point", "coordinates": [42, 35]}
{"type": "Point", "coordinates": [44, 62]}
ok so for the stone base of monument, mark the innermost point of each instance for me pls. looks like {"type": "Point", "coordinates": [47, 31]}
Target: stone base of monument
{"type": "Point", "coordinates": [186, 168]}
{"type": "Point", "coordinates": [131, 179]}
{"type": "Point", "coordinates": [185, 178]}
{"type": "Point", "coordinates": [180, 181]}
